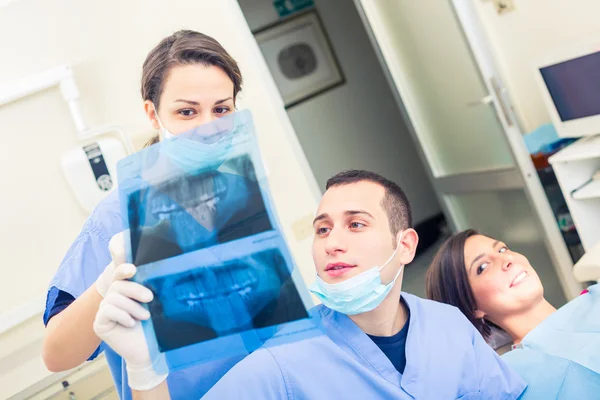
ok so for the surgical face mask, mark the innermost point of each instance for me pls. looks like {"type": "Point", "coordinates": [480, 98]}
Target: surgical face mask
{"type": "Point", "coordinates": [164, 132]}
{"type": "Point", "coordinates": [192, 156]}
{"type": "Point", "coordinates": [359, 294]}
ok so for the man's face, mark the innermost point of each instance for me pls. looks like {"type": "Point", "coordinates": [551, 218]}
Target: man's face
{"type": "Point", "coordinates": [352, 233]}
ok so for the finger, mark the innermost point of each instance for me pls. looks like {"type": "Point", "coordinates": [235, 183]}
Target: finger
{"type": "Point", "coordinates": [109, 314]}
{"type": "Point", "coordinates": [116, 246]}
{"type": "Point", "coordinates": [124, 271]}
{"type": "Point", "coordinates": [132, 290]}
{"type": "Point", "coordinates": [132, 307]}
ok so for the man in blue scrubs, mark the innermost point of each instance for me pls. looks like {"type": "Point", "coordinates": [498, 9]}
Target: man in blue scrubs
{"type": "Point", "coordinates": [378, 342]}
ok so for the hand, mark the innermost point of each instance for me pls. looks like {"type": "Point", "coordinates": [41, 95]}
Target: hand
{"type": "Point", "coordinates": [118, 324]}
{"type": "Point", "coordinates": [116, 246]}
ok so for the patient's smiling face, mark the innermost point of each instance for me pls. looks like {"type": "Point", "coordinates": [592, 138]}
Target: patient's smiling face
{"type": "Point", "coordinates": [503, 281]}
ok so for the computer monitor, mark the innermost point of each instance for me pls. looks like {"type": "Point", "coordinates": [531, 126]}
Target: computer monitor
{"type": "Point", "coordinates": [570, 86]}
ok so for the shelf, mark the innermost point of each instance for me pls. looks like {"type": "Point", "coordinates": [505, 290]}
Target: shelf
{"type": "Point", "coordinates": [589, 191]}
{"type": "Point", "coordinates": [583, 149]}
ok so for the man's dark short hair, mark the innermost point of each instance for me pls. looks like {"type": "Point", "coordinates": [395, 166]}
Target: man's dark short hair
{"type": "Point", "coordinates": [395, 203]}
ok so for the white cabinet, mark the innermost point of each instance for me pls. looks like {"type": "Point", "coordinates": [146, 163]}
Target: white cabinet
{"type": "Point", "coordinates": [574, 166]}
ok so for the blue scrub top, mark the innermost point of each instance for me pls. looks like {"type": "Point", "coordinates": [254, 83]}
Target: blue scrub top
{"type": "Point", "coordinates": [446, 358]}
{"type": "Point", "coordinates": [560, 358]}
{"type": "Point", "coordinates": [84, 262]}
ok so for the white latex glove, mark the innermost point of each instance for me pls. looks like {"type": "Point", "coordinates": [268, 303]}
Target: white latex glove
{"type": "Point", "coordinates": [118, 324]}
{"type": "Point", "coordinates": [116, 246]}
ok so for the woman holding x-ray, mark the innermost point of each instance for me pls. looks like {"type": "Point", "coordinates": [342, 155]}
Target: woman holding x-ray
{"type": "Point", "coordinates": [188, 80]}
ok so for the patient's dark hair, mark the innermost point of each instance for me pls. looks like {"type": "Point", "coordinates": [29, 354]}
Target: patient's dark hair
{"type": "Point", "coordinates": [446, 280]}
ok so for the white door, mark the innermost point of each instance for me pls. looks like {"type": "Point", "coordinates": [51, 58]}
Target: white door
{"type": "Point", "coordinates": [446, 83]}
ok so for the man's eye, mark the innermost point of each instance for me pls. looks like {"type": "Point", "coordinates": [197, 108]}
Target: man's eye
{"type": "Point", "coordinates": [356, 225]}
{"type": "Point", "coordinates": [481, 268]}
{"type": "Point", "coordinates": [321, 231]}
{"type": "Point", "coordinates": [503, 249]}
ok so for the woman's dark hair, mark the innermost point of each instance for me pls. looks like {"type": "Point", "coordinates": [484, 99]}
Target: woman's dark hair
{"type": "Point", "coordinates": [184, 47]}
{"type": "Point", "coordinates": [446, 280]}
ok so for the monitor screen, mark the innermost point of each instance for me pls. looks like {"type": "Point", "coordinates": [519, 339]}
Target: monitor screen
{"type": "Point", "coordinates": [574, 86]}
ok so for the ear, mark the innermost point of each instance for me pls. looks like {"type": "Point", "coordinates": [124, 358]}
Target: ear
{"type": "Point", "coordinates": [479, 314]}
{"type": "Point", "coordinates": [151, 113]}
{"type": "Point", "coordinates": [407, 245]}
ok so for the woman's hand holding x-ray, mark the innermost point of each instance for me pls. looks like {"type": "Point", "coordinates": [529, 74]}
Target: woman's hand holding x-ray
{"type": "Point", "coordinates": [118, 324]}
{"type": "Point", "coordinates": [116, 246]}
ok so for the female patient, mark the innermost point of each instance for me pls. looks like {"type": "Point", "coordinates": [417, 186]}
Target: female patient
{"type": "Point", "coordinates": [495, 287]}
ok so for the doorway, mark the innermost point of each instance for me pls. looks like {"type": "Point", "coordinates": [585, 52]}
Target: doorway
{"type": "Point", "coordinates": [356, 124]}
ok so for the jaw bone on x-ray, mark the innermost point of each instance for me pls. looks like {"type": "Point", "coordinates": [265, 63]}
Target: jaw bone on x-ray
{"type": "Point", "coordinates": [206, 241]}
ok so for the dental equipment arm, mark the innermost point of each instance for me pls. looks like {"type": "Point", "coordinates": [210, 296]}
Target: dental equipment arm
{"type": "Point", "coordinates": [62, 77]}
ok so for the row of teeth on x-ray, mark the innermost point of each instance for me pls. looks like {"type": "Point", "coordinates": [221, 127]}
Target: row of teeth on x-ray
{"type": "Point", "coordinates": [210, 282]}
{"type": "Point", "coordinates": [225, 297]}
{"type": "Point", "coordinates": [204, 192]}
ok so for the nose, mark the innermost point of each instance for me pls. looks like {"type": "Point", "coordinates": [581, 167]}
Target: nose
{"type": "Point", "coordinates": [335, 243]}
{"type": "Point", "coordinates": [206, 117]}
{"type": "Point", "coordinates": [504, 260]}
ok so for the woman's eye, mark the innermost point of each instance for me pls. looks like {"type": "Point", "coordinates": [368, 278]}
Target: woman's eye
{"type": "Point", "coordinates": [321, 231]}
{"type": "Point", "coordinates": [481, 268]}
{"type": "Point", "coordinates": [356, 225]}
{"type": "Point", "coordinates": [187, 112]}
{"type": "Point", "coordinates": [503, 249]}
{"type": "Point", "coordinates": [221, 110]}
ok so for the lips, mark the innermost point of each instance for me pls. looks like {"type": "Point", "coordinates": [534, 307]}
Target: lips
{"type": "Point", "coordinates": [337, 266]}
{"type": "Point", "coordinates": [519, 278]}
{"type": "Point", "coordinates": [337, 269]}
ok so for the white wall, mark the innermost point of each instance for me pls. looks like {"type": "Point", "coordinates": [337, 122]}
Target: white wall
{"type": "Point", "coordinates": [536, 28]}
{"type": "Point", "coordinates": [358, 124]}
{"type": "Point", "coordinates": [106, 43]}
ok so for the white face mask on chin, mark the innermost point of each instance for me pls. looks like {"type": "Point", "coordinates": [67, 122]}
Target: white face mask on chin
{"type": "Point", "coordinates": [359, 294]}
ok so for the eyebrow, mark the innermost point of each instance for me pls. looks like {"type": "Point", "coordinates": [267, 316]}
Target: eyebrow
{"type": "Point", "coordinates": [195, 103]}
{"type": "Point", "coordinates": [479, 257]}
{"type": "Point", "coordinates": [347, 213]}
{"type": "Point", "coordinates": [223, 101]}
{"type": "Point", "coordinates": [355, 212]}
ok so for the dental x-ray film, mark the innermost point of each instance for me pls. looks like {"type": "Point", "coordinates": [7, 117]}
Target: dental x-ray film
{"type": "Point", "coordinates": [205, 239]}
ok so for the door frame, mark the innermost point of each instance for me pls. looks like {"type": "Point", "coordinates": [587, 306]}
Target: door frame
{"type": "Point", "coordinates": [480, 47]}
{"type": "Point", "coordinates": [523, 176]}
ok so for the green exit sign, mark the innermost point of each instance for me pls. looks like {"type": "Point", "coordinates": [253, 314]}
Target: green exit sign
{"type": "Point", "coordinates": [287, 7]}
